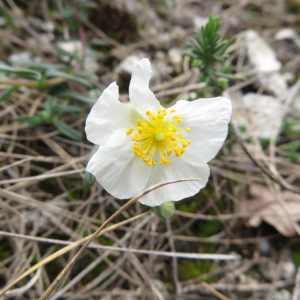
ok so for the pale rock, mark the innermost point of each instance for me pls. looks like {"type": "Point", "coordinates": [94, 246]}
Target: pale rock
{"type": "Point", "coordinates": [18, 57]}
{"type": "Point", "coordinates": [71, 47]}
{"type": "Point", "coordinates": [288, 34]}
{"type": "Point", "coordinates": [261, 55]}
{"type": "Point", "coordinates": [3, 21]}
{"type": "Point", "coordinates": [263, 58]}
{"type": "Point", "coordinates": [274, 82]}
{"type": "Point", "coordinates": [259, 114]}
{"type": "Point", "coordinates": [288, 269]}
{"type": "Point", "coordinates": [289, 77]}
{"type": "Point", "coordinates": [282, 295]}
{"type": "Point", "coordinates": [47, 26]}
{"type": "Point", "coordinates": [90, 64]}
{"type": "Point", "coordinates": [199, 22]}
{"type": "Point", "coordinates": [249, 280]}
{"type": "Point", "coordinates": [45, 38]}
{"type": "Point", "coordinates": [125, 68]}
{"type": "Point", "coordinates": [175, 57]}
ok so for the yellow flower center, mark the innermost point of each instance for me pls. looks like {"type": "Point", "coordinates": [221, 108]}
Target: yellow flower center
{"type": "Point", "coordinates": [160, 135]}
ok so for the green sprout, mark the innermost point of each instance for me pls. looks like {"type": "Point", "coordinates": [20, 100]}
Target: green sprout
{"type": "Point", "coordinates": [207, 51]}
{"type": "Point", "coordinates": [51, 114]}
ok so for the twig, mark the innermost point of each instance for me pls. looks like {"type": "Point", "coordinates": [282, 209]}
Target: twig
{"type": "Point", "coordinates": [213, 291]}
{"type": "Point", "coordinates": [118, 212]}
{"type": "Point", "coordinates": [262, 168]}
{"type": "Point", "coordinates": [67, 249]}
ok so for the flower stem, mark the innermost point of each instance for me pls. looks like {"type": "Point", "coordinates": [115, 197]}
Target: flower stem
{"type": "Point", "coordinates": [117, 213]}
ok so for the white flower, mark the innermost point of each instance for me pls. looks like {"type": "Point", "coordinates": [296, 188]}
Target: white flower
{"type": "Point", "coordinates": [142, 143]}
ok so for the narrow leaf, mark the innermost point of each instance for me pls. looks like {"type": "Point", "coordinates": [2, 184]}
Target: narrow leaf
{"type": "Point", "coordinates": [67, 130]}
{"type": "Point", "coordinates": [57, 73]}
{"type": "Point", "coordinates": [6, 93]}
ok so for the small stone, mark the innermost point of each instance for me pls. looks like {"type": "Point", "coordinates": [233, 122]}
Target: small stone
{"type": "Point", "coordinates": [18, 57]}
{"type": "Point", "coordinates": [282, 295]}
{"type": "Point", "coordinates": [48, 26]}
{"type": "Point", "coordinates": [288, 34]}
{"type": "Point", "coordinates": [259, 114]}
{"type": "Point", "coordinates": [288, 269]}
{"type": "Point", "coordinates": [175, 56]}
{"type": "Point", "coordinates": [263, 58]}
{"type": "Point", "coordinates": [125, 68]}
{"type": "Point", "coordinates": [260, 53]}
{"type": "Point", "coordinates": [264, 246]}
{"type": "Point", "coordinates": [71, 47]}
{"type": "Point", "coordinates": [3, 22]}
{"type": "Point", "coordinates": [199, 22]}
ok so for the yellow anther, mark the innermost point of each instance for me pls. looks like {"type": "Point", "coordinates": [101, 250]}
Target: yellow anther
{"type": "Point", "coordinates": [158, 136]}
{"type": "Point", "coordinates": [188, 129]}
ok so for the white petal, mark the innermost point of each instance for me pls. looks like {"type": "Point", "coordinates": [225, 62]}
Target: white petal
{"type": "Point", "coordinates": [208, 120]}
{"type": "Point", "coordinates": [118, 170]}
{"type": "Point", "coordinates": [140, 95]}
{"type": "Point", "coordinates": [186, 166]}
{"type": "Point", "coordinates": [108, 115]}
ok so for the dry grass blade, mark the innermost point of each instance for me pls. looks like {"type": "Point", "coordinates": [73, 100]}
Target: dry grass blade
{"type": "Point", "coordinates": [118, 212]}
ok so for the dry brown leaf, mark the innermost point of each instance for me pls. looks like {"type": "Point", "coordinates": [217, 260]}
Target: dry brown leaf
{"type": "Point", "coordinates": [263, 203]}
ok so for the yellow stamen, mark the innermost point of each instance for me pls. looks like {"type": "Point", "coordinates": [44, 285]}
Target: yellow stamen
{"type": "Point", "coordinates": [158, 137]}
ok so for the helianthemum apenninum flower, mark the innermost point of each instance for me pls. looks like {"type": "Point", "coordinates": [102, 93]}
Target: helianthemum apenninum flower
{"type": "Point", "coordinates": [142, 143]}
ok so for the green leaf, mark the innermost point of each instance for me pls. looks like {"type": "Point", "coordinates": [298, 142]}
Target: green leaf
{"type": "Point", "coordinates": [57, 73]}
{"type": "Point", "coordinates": [100, 42]}
{"type": "Point", "coordinates": [78, 96]}
{"type": "Point", "coordinates": [88, 4]}
{"type": "Point", "coordinates": [68, 109]}
{"type": "Point", "coordinates": [45, 116]}
{"type": "Point", "coordinates": [67, 12]}
{"type": "Point", "coordinates": [6, 93]}
{"type": "Point", "coordinates": [23, 73]}
{"type": "Point", "coordinates": [50, 104]}
{"type": "Point", "coordinates": [10, 20]}
{"type": "Point", "coordinates": [33, 64]}
{"type": "Point", "coordinates": [32, 121]}
{"type": "Point", "coordinates": [67, 130]}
